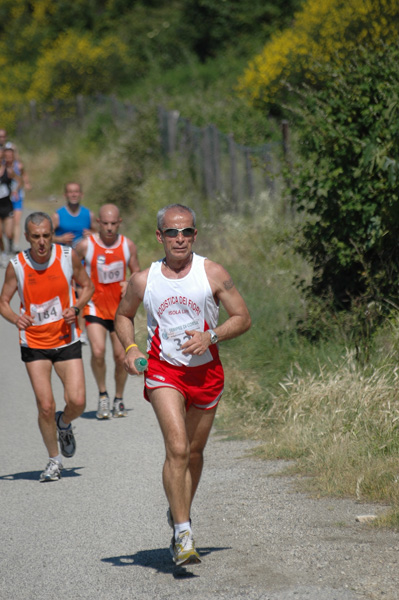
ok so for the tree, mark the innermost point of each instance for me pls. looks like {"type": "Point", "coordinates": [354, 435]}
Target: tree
{"type": "Point", "coordinates": [211, 25]}
{"type": "Point", "coordinates": [347, 180]}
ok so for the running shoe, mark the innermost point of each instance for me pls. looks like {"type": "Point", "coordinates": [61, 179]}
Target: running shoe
{"type": "Point", "coordinates": [66, 438]}
{"type": "Point", "coordinates": [119, 409]}
{"type": "Point", "coordinates": [52, 472]}
{"type": "Point", "coordinates": [183, 550]}
{"type": "Point", "coordinates": [4, 260]}
{"type": "Point", "coordinates": [103, 411]}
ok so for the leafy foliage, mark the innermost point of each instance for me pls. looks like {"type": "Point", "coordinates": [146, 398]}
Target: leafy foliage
{"type": "Point", "coordinates": [347, 182]}
{"type": "Point", "coordinates": [58, 49]}
{"type": "Point", "coordinates": [322, 32]}
{"type": "Point", "coordinates": [76, 64]}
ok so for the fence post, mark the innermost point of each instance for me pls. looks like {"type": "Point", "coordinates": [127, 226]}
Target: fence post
{"type": "Point", "coordinates": [215, 146]}
{"type": "Point", "coordinates": [207, 162]}
{"type": "Point", "coordinates": [233, 172]}
{"type": "Point", "coordinates": [248, 173]}
{"type": "Point", "coordinates": [115, 107]}
{"type": "Point", "coordinates": [162, 130]}
{"type": "Point", "coordinates": [33, 110]}
{"type": "Point", "coordinates": [286, 140]}
{"type": "Point", "coordinates": [57, 114]}
{"type": "Point", "coordinates": [172, 120]}
{"type": "Point", "coordinates": [80, 107]}
{"type": "Point", "coordinates": [287, 158]}
{"type": "Point", "coordinates": [130, 111]}
{"type": "Point", "coordinates": [268, 171]}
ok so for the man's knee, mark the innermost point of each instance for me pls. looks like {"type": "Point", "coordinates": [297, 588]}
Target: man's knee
{"type": "Point", "coordinates": [119, 360]}
{"type": "Point", "coordinates": [196, 455]}
{"type": "Point", "coordinates": [46, 408]}
{"type": "Point", "coordinates": [76, 403]}
{"type": "Point", "coordinates": [178, 450]}
{"type": "Point", "coordinates": [98, 352]}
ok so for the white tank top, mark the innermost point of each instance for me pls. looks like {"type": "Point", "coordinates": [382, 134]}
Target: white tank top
{"type": "Point", "coordinates": [176, 305]}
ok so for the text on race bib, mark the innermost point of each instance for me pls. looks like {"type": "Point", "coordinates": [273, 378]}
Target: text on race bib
{"type": "Point", "coordinates": [4, 190]}
{"type": "Point", "coordinates": [173, 338]}
{"type": "Point", "coordinates": [110, 273]}
{"type": "Point", "coordinates": [48, 312]}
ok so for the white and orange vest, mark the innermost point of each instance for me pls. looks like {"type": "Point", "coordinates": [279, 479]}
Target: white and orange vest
{"type": "Point", "coordinates": [46, 291]}
{"type": "Point", "coordinates": [106, 267]}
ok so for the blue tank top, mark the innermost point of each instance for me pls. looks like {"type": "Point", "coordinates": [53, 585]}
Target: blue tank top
{"type": "Point", "coordinates": [73, 224]}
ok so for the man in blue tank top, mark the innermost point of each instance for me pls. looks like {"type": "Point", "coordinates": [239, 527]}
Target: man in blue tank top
{"type": "Point", "coordinates": [73, 221]}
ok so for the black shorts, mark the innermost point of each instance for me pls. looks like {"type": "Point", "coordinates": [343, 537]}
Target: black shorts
{"type": "Point", "coordinates": [107, 323]}
{"type": "Point", "coordinates": [6, 208]}
{"type": "Point", "coordinates": [54, 354]}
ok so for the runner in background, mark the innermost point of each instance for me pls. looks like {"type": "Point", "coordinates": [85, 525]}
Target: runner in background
{"type": "Point", "coordinates": [107, 256]}
{"type": "Point", "coordinates": [18, 200]}
{"type": "Point", "coordinates": [10, 182]}
{"type": "Point", "coordinates": [72, 223]}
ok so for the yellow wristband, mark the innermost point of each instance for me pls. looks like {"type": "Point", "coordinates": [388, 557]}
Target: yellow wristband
{"type": "Point", "coordinates": [131, 346]}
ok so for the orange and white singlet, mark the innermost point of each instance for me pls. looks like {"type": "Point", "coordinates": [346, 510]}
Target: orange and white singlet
{"type": "Point", "coordinates": [46, 291]}
{"type": "Point", "coordinates": [106, 267]}
{"type": "Point", "coordinates": [176, 305]}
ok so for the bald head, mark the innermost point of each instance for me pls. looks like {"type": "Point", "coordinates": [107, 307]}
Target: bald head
{"type": "Point", "coordinates": [108, 224]}
{"type": "Point", "coordinates": [109, 211]}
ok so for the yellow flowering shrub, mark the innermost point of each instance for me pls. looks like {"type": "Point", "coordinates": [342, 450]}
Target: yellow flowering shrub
{"type": "Point", "coordinates": [13, 82]}
{"type": "Point", "coordinates": [323, 31]}
{"type": "Point", "coordinates": [76, 64]}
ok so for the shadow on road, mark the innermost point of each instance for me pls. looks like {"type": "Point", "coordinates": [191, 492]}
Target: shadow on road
{"type": "Point", "coordinates": [34, 475]}
{"type": "Point", "coordinates": [159, 559]}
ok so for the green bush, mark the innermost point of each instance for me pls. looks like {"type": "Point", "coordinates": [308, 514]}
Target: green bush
{"type": "Point", "coordinates": [347, 183]}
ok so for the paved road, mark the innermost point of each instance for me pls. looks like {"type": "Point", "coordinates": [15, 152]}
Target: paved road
{"type": "Point", "coordinates": [100, 533]}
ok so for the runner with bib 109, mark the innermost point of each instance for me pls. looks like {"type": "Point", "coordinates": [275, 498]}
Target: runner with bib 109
{"type": "Point", "coordinates": [184, 380]}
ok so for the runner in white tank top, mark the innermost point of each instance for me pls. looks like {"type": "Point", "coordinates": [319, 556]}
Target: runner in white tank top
{"type": "Point", "coordinates": [175, 305]}
{"type": "Point", "coordinates": [184, 379]}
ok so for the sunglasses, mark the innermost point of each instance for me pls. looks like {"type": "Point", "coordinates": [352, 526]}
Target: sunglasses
{"type": "Point", "coordinates": [174, 232]}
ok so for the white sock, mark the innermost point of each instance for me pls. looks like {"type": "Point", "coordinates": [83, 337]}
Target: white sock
{"type": "Point", "coordinates": [180, 527]}
{"type": "Point", "coordinates": [57, 458]}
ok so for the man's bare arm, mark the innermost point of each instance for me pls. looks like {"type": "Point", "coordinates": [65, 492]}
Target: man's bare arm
{"type": "Point", "coordinates": [239, 320]}
{"type": "Point", "coordinates": [124, 318]}
{"type": "Point", "coordinates": [86, 291]}
{"type": "Point", "coordinates": [10, 286]}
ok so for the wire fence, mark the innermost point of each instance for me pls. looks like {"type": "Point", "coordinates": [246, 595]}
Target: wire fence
{"type": "Point", "coordinates": [233, 176]}
{"type": "Point", "coordinates": [229, 176]}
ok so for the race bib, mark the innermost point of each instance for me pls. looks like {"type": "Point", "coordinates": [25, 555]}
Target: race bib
{"type": "Point", "coordinates": [4, 190]}
{"type": "Point", "coordinates": [48, 312]}
{"type": "Point", "coordinates": [110, 273]}
{"type": "Point", "coordinates": [173, 338]}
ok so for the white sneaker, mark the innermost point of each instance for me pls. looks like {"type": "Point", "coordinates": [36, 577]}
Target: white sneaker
{"type": "Point", "coordinates": [183, 549]}
{"type": "Point", "coordinates": [4, 260]}
{"type": "Point", "coordinates": [103, 411]}
{"type": "Point", "coordinates": [52, 472]}
{"type": "Point", "coordinates": [119, 409]}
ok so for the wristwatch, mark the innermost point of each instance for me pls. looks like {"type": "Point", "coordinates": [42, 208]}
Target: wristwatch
{"type": "Point", "coordinates": [76, 309]}
{"type": "Point", "coordinates": [214, 337]}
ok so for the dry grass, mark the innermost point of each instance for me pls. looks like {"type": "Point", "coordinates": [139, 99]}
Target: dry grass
{"type": "Point", "coordinates": [340, 426]}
